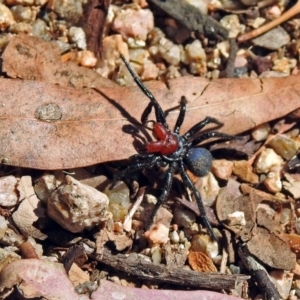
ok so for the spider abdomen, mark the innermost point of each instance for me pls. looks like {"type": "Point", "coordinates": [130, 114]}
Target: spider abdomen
{"type": "Point", "coordinates": [198, 161]}
{"type": "Point", "coordinates": [167, 142]}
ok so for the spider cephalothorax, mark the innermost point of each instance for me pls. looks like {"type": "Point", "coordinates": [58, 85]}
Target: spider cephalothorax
{"type": "Point", "coordinates": [175, 151]}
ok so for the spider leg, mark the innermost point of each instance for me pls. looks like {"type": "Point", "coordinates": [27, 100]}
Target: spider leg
{"type": "Point", "coordinates": [181, 115]}
{"type": "Point", "coordinates": [164, 194]}
{"type": "Point", "coordinates": [146, 113]}
{"type": "Point", "coordinates": [160, 116]}
{"type": "Point", "coordinates": [200, 125]}
{"type": "Point", "coordinates": [148, 161]}
{"type": "Point", "coordinates": [187, 182]}
{"type": "Point", "coordinates": [208, 135]}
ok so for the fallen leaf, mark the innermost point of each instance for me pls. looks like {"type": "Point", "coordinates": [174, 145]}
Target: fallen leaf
{"type": "Point", "coordinates": [227, 204]}
{"type": "Point", "coordinates": [31, 58]}
{"type": "Point", "coordinates": [94, 126]}
{"type": "Point", "coordinates": [201, 262]}
{"type": "Point", "coordinates": [293, 240]}
{"type": "Point", "coordinates": [271, 250]}
{"type": "Point", "coordinates": [38, 278]}
{"type": "Point", "coordinates": [29, 211]}
{"type": "Point", "coordinates": [120, 241]}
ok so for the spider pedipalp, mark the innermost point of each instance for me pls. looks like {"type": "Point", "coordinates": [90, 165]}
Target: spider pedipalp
{"type": "Point", "coordinates": [178, 152]}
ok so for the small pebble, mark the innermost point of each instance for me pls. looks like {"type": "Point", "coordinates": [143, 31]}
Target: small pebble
{"type": "Point", "coordinates": [267, 160]}
{"type": "Point", "coordinates": [285, 216]}
{"type": "Point", "coordinates": [202, 5]}
{"type": "Point", "coordinates": [208, 188]}
{"type": "Point", "coordinates": [21, 27]}
{"type": "Point", "coordinates": [77, 36]}
{"type": "Point", "coordinates": [223, 47]}
{"type": "Point", "coordinates": [8, 195]}
{"type": "Point", "coordinates": [3, 227]}
{"type": "Point", "coordinates": [6, 17]}
{"type": "Point", "coordinates": [222, 168]}
{"type": "Point", "coordinates": [157, 235]}
{"type": "Point", "coordinates": [232, 23]}
{"type": "Point", "coordinates": [261, 132]}
{"type": "Point", "coordinates": [44, 186]}
{"type": "Point", "coordinates": [86, 59]}
{"type": "Point", "coordinates": [292, 185]}
{"type": "Point", "coordinates": [182, 237]}
{"type": "Point", "coordinates": [203, 243]}
{"type": "Point", "coordinates": [76, 206]}
{"type": "Point", "coordinates": [195, 52]}
{"type": "Point", "coordinates": [284, 65]}
{"type": "Point", "coordinates": [21, 13]}
{"type": "Point", "coordinates": [135, 44]}
{"type": "Point", "coordinates": [119, 200]}
{"type": "Point", "coordinates": [184, 217]}
{"type": "Point", "coordinates": [112, 47]}
{"type": "Point", "coordinates": [164, 47]}
{"type": "Point", "coordinates": [273, 39]}
{"type": "Point", "coordinates": [69, 10]}
{"type": "Point", "coordinates": [284, 146]}
{"type": "Point", "coordinates": [150, 71]}
{"type": "Point", "coordinates": [156, 255]}
{"type": "Point", "coordinates": [273, 181]}
{"type": "Point", "coordinates": [174, 237]}
{"type": "Point", "coordinates": [39, 29]}
{"type": "Point", "coordinates": [244, 171]}
{"type": "Point", "coordinates": [134, 23]}
{"type": "Point", "coordinates": [138, 55]}
{"type": "Point", "coordinates": [236, 218]}
{"type": "Point", "coordinates": [257, 22]}
{"type": "Point", "coordinates": [273, 12]}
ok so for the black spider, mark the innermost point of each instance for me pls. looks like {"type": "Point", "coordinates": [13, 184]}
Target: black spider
{"type": "Point", "coordinates": [175, 151]}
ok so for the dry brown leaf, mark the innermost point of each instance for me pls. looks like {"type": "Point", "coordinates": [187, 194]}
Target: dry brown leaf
{"type": "Point", "coordinates": [120, 241]}
{"type": "Point", "coordinates": [31, 58]}
{"type": "Point", "coordinates": [29, 211]}
{"type": "Point", "coordinates": [201, 262]}
{"type": "Point", "coordinates": [228, 204]}
{"type": "Point", "coordinates": [271, 250]}
{"type": "Point", "coordinates": [89, 127]}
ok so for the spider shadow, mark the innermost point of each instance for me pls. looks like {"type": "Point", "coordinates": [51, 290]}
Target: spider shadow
{"type": "Point", "coordinates": [137, 130]}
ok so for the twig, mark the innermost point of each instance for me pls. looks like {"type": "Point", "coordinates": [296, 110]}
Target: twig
{"type": "Point", "coordinates": [224, 261]}
{"type": "Point", "coordinates": [284, 17]}
{"type": "Point", "coordinates": [229, 71]}
{"type": "Point", "coordinates": [264, 283]}
{"type": "Point", "coordinates": [95, 16]}
{"type": "Point", "coordinates": [135, 206]}
{"type": "Point", "coordinates": [134, 265]}
{"type": "Point", "coordinates": [192, 18]}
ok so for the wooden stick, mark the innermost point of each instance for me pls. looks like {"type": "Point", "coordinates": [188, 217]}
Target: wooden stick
{"type": "Point", "coordinates": [284, 17]}
{"type": "Point", "coordinates": [134, 265]}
